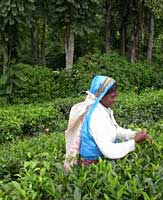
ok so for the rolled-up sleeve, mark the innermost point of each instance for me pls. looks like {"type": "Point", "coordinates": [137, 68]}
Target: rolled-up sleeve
{"type": "Point", "coordinates": [125, 134]}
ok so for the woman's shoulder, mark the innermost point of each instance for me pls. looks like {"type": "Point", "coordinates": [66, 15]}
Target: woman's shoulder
{"type": "Point", "coordinates": [101, 111]}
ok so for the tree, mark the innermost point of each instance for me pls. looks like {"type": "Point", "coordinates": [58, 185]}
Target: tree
{"type": "Point", "coordinates": [73, 17]}
{"type": "Point", "coordinates": [12, 15]}
{"type": "Point", "coordinates": [150, 38]}
{"type": "Point", "coordinates": [155, 9]}
{"type": "Point", "coordinates": [39, 29]}
{"type": "Point", "coordinates": [108, 9]}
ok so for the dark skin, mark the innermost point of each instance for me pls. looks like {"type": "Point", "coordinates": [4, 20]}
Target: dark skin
{"type": "Point", "coordinates": [108, 100]}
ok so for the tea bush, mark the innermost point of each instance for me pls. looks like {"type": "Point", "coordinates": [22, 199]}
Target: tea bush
{"type": "Point", "coordinates": [128, 76]}
{"type": "Point", "coordinates": [32, 168]}
{"type": "Point", "coordinates": [31, 119]}
{"type": "Point", "coordinates": [146, 107]}
{"type": "Point", "coordinates": [42, 147]}
{"type": "Point", "coordinates": [21, 120]}
{"type": "Point", "coordinates": [39, 173]}
{"type": "Point", "coordinates": [26, 83]}
{"type": "Point", "coordinates": [130, 107]}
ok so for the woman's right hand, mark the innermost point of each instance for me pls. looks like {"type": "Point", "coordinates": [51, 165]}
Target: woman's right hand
{"type": "Point", "coordinates": [141, 136]}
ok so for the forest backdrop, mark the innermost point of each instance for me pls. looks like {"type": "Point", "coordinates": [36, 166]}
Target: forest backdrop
{"type": "Point", "coordinates": [55, 33]}
{"type": "Point", "coordinates": [45, 44]}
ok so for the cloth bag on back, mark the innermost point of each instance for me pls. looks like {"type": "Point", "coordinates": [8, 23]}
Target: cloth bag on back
{"type": "Point", "coordinates": [72, 134]}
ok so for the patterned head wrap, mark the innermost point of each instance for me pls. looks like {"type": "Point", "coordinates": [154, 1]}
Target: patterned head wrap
{"type": "Point", "coordinates": [99, 87]}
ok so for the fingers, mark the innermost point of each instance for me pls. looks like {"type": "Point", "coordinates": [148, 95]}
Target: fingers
{"type": "Point", "coordinates": [141, 136]}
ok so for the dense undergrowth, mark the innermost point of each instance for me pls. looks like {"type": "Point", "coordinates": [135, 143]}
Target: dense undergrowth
{"type": "Point", "coordinates": [28, 84]}
{"type": "Point", "coordinates": [33, 169]}
{"type": "Point", "coordinates": [31, 119]}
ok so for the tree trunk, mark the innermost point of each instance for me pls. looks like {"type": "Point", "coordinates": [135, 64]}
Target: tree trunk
{"type": "Point", "coordinates": [150, 39]}
{"type": "Point", "coordinates": [133, 51]}
{"type": "Point", "coordinates": [123, 38]}
{"type": "Point", "coordinates": [5, 58]}
{"type": "Point", "coordinates": [69, 47]}
{"type": "Point", "coordinates": [5, 54]}
{"type": "Point", "coordinates": [124, 13]}
{"type": "Point", "coordinates": [108, 8]}
{"type": "Point", "coordinates": [141, 31]}
{"type": "Point", "coordinates": [133, 45]}
{"type": "Point", "coordinates": [43, 60]}
{"type": "Point", "coordinates": [34, 36]}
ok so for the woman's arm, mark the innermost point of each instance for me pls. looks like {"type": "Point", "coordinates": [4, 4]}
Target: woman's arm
{"type": "Point", "coordinates": [125, 134]}
{"type": "Point", "coordinates": [104, 133]}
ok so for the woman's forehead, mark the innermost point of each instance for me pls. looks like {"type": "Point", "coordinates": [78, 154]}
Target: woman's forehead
{"type": "Point", "coordinates": [113, 94]}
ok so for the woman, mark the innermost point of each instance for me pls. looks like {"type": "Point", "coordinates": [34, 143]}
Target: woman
{"type": "Point", "coordinates": [92, 131]}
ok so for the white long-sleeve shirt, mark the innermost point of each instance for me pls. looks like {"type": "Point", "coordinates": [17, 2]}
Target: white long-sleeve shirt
{"type": "Point", "coordinates": [105, 130]}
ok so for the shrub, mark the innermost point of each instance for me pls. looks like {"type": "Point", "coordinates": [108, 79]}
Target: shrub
{"type": "Point", "coordinates": [31, 119]}
{"type": "Point", "coordinates": [18, 121]}
{"type": "Point", "coordinates": [44, 147]}
{"type": "Point", "coordinates": [143, 108]}
{"type": "Point", "coordinates": [64, 84]}
{"type": "Point", "coordinates": [39, 173]}
{"type": "Point", "coordinates": [130, 107]}
{"type": "Point", "coordinates": [26, 83]}
{"type": "Point", "coordinates": [129, 76]}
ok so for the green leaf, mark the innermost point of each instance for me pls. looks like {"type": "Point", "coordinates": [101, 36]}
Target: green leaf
{"type": "Point", "coordinates": [61, 9]}
{"type": "Point", "coordinates": [3, 9]}
{"type": "Point", "coordinates": [12, 21]}
{"type": "Point", "coordinates": [7, 2]}
{"type": "Point", "coordinates": [21, 8]}
{"type": "Point", "coordinates": [14, 11]}
{"type": "Point", "coordinates": [19, 189]}
{"type": "Point", "coordinates": [145, 195]}
{"type": "Point", "coordinates": [120, 192]}
{"type": "Point", "coordinates": [77, 193]}
{"type": "Point", "coordinates": [31, 164]}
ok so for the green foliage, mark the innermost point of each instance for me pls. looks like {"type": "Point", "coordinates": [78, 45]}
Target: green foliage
{"type": "Point", "coordinates": [80, 16]}
{"type": "Point", "coordinates": [128, 76]}
{"type": "Point", "coordinates": [31, 119]}
{"type": "Point", "coordinates": [64, 84]}
{"type": "Point", "coordinates": [13, 12]}
{"type": "Point", "coordinates": [85, 18]}
{"type": "Point", "coordinates": [18, 121]}
{"type": "Point", "coordinates": [32, 169]}
{"type": "Point", "coordinates": [44, 147]}
{"type": "Point", "coordinates": [144, 108]}
{"type": "Point", "coordinates": [130, 107]}
{"type": "Point", "coordinates": [15, 16]}
{"type": "Point", "coordinates": [155, 6]}
{"type": "Point", "coordinates": [26, 83]}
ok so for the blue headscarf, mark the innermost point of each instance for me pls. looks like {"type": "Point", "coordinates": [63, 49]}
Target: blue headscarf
{"type": "Point", "coordinates": [98, 83]}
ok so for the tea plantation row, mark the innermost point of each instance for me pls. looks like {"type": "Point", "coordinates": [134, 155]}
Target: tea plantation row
{"type": "Point", "coordinates": [31, 119]}
{"type": "Point", "coordinates": [33, 169]}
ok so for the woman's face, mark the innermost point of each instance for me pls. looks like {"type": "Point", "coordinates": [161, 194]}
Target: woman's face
{"type": "Point", "coordinates": [109, 99]}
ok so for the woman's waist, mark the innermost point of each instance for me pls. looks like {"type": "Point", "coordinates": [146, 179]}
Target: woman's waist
{"type": "Point", "coordinates": [88, 161]}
